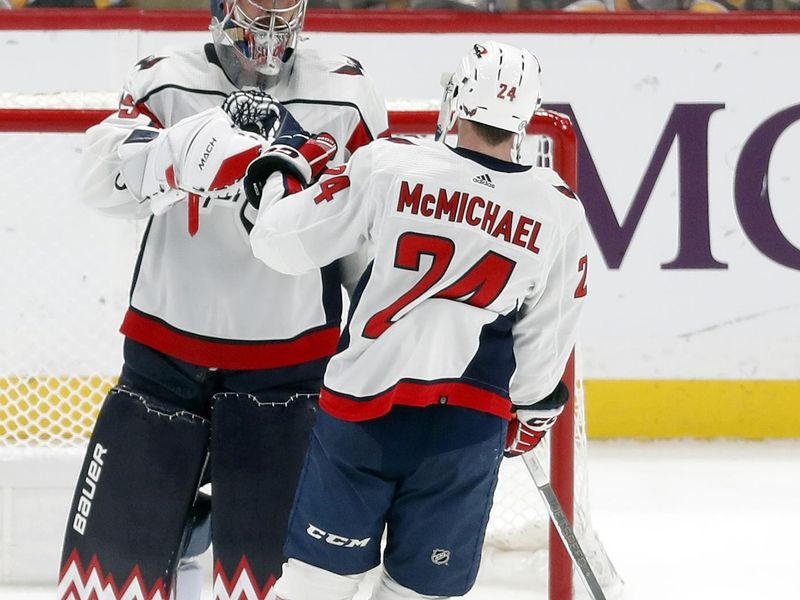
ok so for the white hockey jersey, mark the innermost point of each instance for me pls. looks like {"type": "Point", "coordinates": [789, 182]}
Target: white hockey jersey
{"type": "Point", "coordinates": [476, 275]}
{"type": "Point", "coordinates": [206, 299]}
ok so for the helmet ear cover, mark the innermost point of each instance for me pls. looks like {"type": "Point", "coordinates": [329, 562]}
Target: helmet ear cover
{"type": "Point", "coordinates": [448, 112]}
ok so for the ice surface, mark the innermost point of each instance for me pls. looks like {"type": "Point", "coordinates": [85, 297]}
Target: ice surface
{"type": "Point", "coordinates": [682, 520]}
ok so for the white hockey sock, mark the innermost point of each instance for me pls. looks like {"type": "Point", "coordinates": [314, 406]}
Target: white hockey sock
{"type": "Point", "coordinates": [301, 581]}
{"type": "Point", "coordinates": [388, 589]}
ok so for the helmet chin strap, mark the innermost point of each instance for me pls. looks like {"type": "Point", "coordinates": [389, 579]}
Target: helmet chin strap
{"type": "Point", "coordinates": [447, 112]}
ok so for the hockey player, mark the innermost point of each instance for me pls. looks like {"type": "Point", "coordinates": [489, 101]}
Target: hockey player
{"type": "Point", "coordinates": [223, 356]}
{"type": "Point", "coordinates": [458, 335]}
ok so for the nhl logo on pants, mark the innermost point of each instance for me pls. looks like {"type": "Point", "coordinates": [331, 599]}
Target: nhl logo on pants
{"type": "Point", "coordinates": [440, 556]}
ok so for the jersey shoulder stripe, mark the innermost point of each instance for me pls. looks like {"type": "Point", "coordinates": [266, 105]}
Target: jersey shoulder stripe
{"type": "Point", "coordinates": [184, 70]}
{"type": "Point", "coordinates": [342, 80]}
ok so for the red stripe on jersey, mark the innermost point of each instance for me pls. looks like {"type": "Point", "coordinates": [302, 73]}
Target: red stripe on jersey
{"type": "Point", "coordinates": [221, 354]}
{"type": "Point", "coordinates": [360, 137]}
{"type": "Point", "coordinates": [145, 110]}
{"type": "Point", "coordinates": [420, 394]}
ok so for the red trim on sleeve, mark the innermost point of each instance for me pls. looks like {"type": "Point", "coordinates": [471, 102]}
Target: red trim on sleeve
{"type": "Point", "coordinates": [221, 354]}
{"type": "Point", "coordinates": [143, 109]}
{"type": "Point", "coordinates": [291, 184]}
{"type": "Point", "coordinates": [360, 137]}
{"type": "Point", "coordinates": [420, 394]}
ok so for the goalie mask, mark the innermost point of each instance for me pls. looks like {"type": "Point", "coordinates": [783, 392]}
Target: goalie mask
{"type": "Point", "coordinates": [255, 39]}
{"type": "Point", "coordinates": [495, 84]}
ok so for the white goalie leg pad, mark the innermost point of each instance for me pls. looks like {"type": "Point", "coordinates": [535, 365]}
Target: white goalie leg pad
{"type": "Point", "coordinates": [388, 589]}
{"type": "Point", "coordinates": [302, 581]}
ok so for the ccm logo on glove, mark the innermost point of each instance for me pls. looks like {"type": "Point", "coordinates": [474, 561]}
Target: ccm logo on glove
{"type": "Point", "coordinates": [532, 422]}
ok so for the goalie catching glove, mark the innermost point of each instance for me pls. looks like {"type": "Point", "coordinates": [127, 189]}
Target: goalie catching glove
{"type": "Point", "coordinates": [204, 154]}
{"type": "Point", "coordinates": [258, 113]}
{"type": "Point", "coordinates": [531, 423]}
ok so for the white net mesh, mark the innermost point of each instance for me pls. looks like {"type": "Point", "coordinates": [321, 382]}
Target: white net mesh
{"type": "Point", "coordinates": [67, 272]}
{"type": "Point", "coordinates": [516, 547]}
{"type": "Point", "coordinates": [60, 100]}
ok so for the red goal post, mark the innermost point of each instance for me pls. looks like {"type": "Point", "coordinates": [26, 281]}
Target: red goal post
{"type": "Point", "coordinates": [32, 401]}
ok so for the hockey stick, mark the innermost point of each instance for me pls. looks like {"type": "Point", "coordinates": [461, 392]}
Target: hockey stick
{"type": "Point", "coordinates": [563, 526]}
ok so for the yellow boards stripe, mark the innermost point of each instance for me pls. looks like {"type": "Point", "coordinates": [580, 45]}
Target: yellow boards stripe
{"type": "Point", "coordinates": [49, 409]}
{"type": "Point", "coordinates": [658, 409]}
{"type": "Point", "coordinates": [61, 408]}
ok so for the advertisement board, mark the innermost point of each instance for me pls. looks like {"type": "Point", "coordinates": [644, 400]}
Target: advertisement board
{"type": "Point", "coordinates": [689, 131]}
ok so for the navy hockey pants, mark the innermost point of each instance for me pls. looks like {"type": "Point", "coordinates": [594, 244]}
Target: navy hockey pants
{"type": "Point", "coordinates": [427, 474]}
{"type": "Point", "coordinates": [191, 387]}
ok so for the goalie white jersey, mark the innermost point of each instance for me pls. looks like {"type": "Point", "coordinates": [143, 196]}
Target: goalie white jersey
{"type": "Point", "coordinates": [475, 280]}
{"type": "Point", "coordinates": [206, 299]}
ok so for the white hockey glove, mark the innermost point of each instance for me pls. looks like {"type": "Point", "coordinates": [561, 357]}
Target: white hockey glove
{"type": "Point", "coordinates": [531, 423]}
{"type": "Point", "coordinates": [305, 162]}
{"type": "Point", "coordinates": [203, 154]}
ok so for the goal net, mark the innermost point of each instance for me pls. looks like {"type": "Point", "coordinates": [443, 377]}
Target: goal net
{"type": "Point", "coordinates": [67, 273]}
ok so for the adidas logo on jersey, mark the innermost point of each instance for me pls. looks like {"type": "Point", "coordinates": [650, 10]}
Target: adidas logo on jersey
{"type": "Point", "coordinates": [484, 180]}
